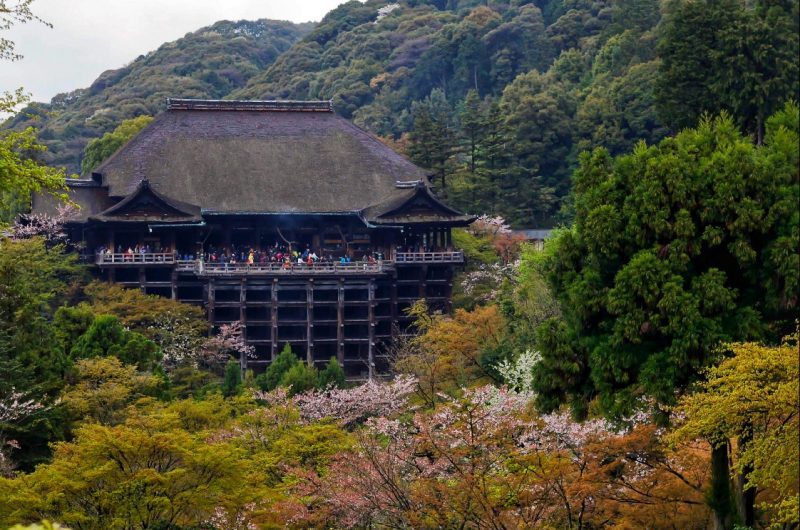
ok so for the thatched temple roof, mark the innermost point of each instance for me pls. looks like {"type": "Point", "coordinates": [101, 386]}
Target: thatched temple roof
{"type": "Point", "coordinates": [246, 157]}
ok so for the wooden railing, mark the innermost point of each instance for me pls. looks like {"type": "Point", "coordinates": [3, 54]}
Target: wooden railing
{"type": "Point", "coordinates": [429, 257]}
{"type": "Point", "coordinates": [212, 269]}
{"type": "Point", "coordinates": [149, 258]}
{"type": "Point", "coordinates": [224, 269]}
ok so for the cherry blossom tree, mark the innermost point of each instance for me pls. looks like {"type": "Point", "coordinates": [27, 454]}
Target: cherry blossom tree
{"type": "Point", "coordinates": [178, 341]}
{"type": "Point", "coordinates": [48, 227]}
{"type": "Point", "coordinates": [486, 461]}
{"type": "Point", "coordinates": [230, 341]}
{"type": "Point", "coordinates": [14, 407]}
{"type": "Point", "coordinates": [518, 373]}
{"type": "Point", "coordinates": [484, 283]}
{"type": "Point", "coordinates": [505, 242]}
{"type": "Point", "coordinates": [349, 406]}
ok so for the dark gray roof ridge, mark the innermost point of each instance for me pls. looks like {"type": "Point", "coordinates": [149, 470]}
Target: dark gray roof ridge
{"type": "Point", "coordinates": [250, 105]}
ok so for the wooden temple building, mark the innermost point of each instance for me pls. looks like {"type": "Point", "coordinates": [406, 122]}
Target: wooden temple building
{"type": "Point", "coordinates": [225, 204]}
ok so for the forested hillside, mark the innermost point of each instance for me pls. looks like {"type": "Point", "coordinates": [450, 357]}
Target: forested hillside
{"type": "Point", "coordinates": [639, 369]}
{"type": "Point", "coordinates": [496, 98]}
{"type": "Point", "coordinates": [208, 63]}
{"type": "Point", "coordinates": [550, 78]}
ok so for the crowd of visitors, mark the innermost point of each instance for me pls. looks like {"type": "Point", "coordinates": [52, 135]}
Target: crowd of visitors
{"type": "Point", "coordinates": [129, 253]}
{"type": "Point", "coordinates": [279, 254]}
{"type": "Point", "coordinates": [136, 249]}
{"type": "Point", "coordinates": [276, 254]}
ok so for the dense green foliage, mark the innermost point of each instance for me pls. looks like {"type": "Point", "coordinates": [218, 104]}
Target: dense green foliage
{"type": "Point", "coordinates": [231, 384]}
{"type": "Point", "coordinates": [272, 376]}
{"type": "Point", "coordinates": [21, 173]}
{"type": "Point", "coordinates": [548, 79]}
{"type": "Point", "coordinates": [496, 99]}
{"type": "Point", "coordinates": [34, 282]}
{"type": "Point", "coordinates": [676, 248]}
{"type": "Point", "coordinates": [106, 337]}
{"type": "Point", "coordinates": [332, 375]}
{"type": "Point", "coordinates": [101, 148]}
{"type": "Point", "coordinates": [118, 411]}
{"type": "Point", "coordinates": [289, 372]}
{"type": "Point", "coordinates": [728, 55]}
{"type": "Point", "coordinates": [208, 63]}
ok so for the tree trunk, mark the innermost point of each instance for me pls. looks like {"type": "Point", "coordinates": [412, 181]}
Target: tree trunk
{"type": "Point", "coordinates": [759, 129]}
{"type": "Point", "coordinates": [719, 494]}
{"type": "Point", "coordinates": [745, 498]}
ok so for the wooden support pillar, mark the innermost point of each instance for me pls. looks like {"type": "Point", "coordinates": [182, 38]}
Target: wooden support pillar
{"type": "Point", "coordinates": [393, 301]}
{"type": "Point", "coordinates": [210, 298]}
{"type": "Point", "coordinates": [243, 319]}
{"type": "Point", "coordinates": [340, 323]}
{"type": "Point", "coordinates": [423, 276]}
{"type": "Point", "coordinates": [371, 343]}
{"type": "Point", "coordinates": [448, 237]}
{"type": "Point", "coordinates": [274, 319]}
{"type": "Point", "coordinates": [142, 279]}
{"type": "Point", "coordinates": [310, 322]}
{"type": "Point", "coordinates": [174, 284]}
{"type": "Point", "coordinates": [449, 293]}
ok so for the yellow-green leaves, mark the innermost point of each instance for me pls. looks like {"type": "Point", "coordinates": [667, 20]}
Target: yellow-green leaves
{"type": "Point", "coordinates": [752, 397]}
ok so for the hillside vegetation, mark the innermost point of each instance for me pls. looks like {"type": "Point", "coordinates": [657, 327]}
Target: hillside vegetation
{"type": "Point", "coordinates": [496, 98]}
{"type": "Point", "coordinates": [208, 63]}
{"type": "Point", "coordinates": [567, 75]}
{"type": "Point", "coordinates": [638, 370]}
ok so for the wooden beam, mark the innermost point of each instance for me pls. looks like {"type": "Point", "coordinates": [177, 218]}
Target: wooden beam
{"type": "Point", "coordinates": [393, 302]}
{"type": "Point", "coordinates": [340, 323]}
{"type": "Point", "coordinates": [210, 296]}
{"type": "Point", "coordinates": [371, 331]}
{"type": "Point", "coordinates": [243, 319]}
{"type": "Point", "coordinates": [310, 322]}
{"type": "Point", "coordinates": [274, 319]}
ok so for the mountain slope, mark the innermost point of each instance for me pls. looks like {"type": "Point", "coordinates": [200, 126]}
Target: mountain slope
{"type": "Point", "coordinates": [208, 63]}
{"type": "Point", "coordinates": [567, 75]}
{"type": "Point", "coordinates": [375, 58]}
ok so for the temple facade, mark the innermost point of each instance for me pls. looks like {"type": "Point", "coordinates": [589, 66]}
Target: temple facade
{"type": "Point", "coordinates": [281, 215]}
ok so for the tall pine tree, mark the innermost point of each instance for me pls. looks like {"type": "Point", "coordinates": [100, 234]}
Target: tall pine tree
{"type": "Point", "coordinates": [432, 140]}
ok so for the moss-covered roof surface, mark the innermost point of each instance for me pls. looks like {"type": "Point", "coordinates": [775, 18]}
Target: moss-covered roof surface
{"type": "Point", "coordinates": [270, 159]}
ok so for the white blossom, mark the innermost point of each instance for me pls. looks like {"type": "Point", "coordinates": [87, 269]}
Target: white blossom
{"type": "Point", "coordinates": [518, 374]}
{"type": "Point", "coordinates": [51, 228]}
{"type": "Point", "coordinates": [384, 11]}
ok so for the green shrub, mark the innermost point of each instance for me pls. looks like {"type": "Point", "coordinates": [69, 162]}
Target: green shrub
{"type": "Point", "coordinates": [232, 384]}
{"type": "Point", "coordinates": [270, 379]}
{"type": "Point", "coordinates": [300, 378]}
{"type": "Point", "coordinates": [332, 375]}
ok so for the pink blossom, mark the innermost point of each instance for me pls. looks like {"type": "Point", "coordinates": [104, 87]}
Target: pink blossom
{"type": "Point", "coordinates": [228, 342]}
{"type": "Point", "coordinates": [51, 228]}
{"type": "Point", "coordinates": [14, 406]}
{"type": "Point", "coordinates": [353, 405]}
